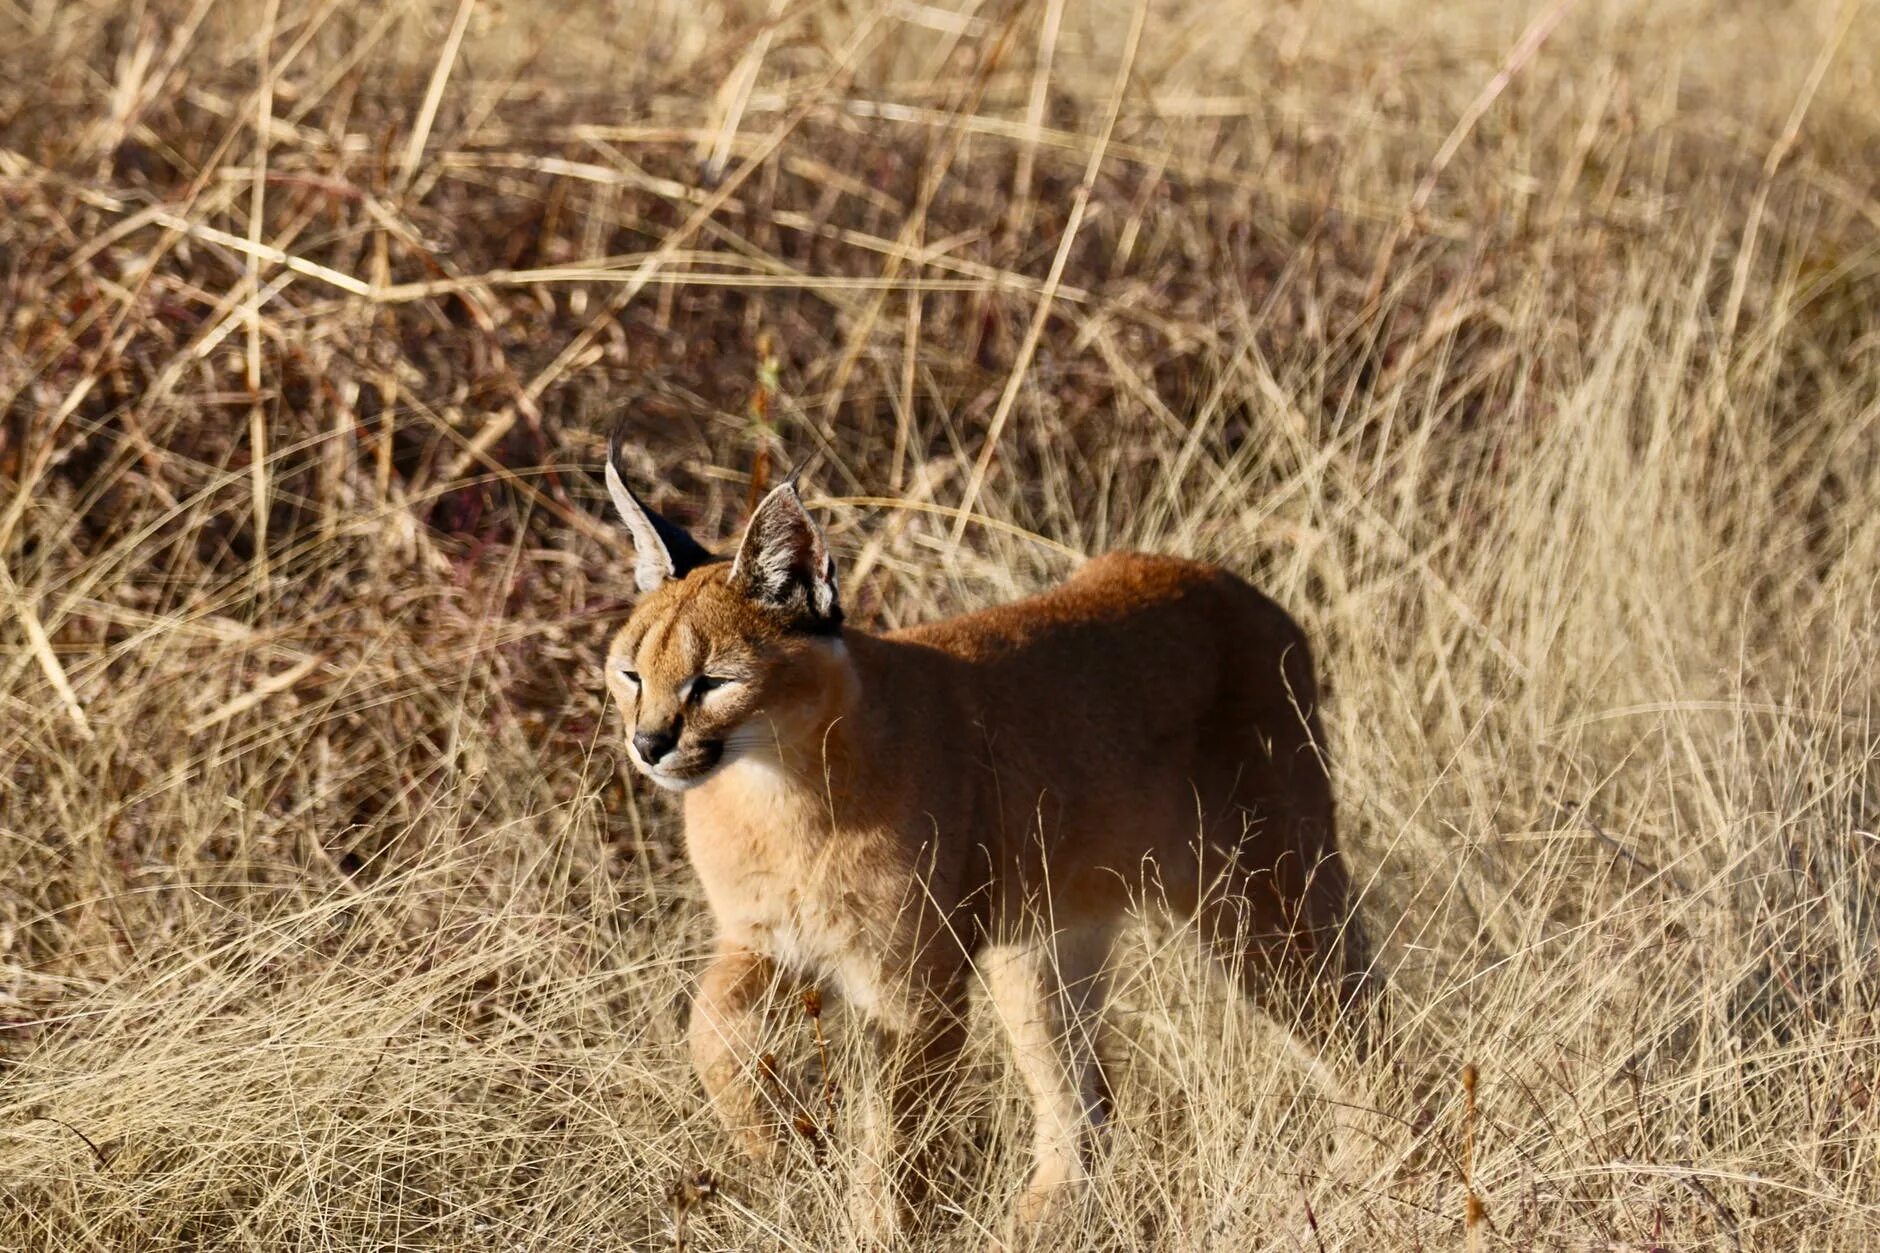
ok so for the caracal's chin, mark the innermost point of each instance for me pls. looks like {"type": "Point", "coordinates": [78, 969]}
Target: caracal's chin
{"type": "Point", "coordinates": [681, 782]}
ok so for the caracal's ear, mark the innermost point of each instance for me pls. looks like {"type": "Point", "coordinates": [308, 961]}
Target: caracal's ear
{"type": "Point", "coordinates": [784, 561]}
{"type": "Point", "coordinates": [661, 550]}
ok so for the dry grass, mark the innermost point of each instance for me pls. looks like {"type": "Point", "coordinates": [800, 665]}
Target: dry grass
{"type": "Point", "coordinates": [329, 917]}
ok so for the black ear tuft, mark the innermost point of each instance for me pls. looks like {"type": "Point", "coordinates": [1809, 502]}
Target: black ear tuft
{"type": "Point", "coordinates": [784, 561]}
{"type": "Point", "coordinates": [661, 550]}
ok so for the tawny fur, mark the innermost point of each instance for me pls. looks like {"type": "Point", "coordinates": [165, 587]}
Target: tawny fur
{"type": "Point", "coordinates": [980, 800]}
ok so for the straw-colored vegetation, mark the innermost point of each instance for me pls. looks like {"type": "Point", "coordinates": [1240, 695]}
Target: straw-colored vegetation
{"type": "Point", "coordinates": [1530, 353]}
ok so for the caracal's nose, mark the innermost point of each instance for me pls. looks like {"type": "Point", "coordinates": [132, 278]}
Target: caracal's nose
{"type": "Point", "coordinates": [652, 745]}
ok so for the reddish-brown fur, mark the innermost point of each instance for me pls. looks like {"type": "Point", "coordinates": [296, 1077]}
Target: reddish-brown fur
{"type": "Point", "coordinates": [983, 799]}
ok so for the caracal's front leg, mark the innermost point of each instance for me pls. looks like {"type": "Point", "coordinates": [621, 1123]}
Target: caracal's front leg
{"type": "Point", "coordinates": [918, 1048]}
{"type": "Point", "coordinates": [727, 1038]}
{"type": "Point", "coordinates": [1049, 995]}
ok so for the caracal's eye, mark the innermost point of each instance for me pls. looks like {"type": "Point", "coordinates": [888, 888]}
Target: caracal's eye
{"type": "Point", "coordinates": [708, 683]}
{"type": "Point", "coordinates": [631, 676]}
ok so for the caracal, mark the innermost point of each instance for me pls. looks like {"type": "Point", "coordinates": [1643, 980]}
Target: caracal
{"type": "Point", "coordinates": [982, 799]}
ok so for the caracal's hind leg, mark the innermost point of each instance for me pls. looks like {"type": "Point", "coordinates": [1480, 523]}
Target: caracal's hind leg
{"type": "Point", "coordinates": [1281, 908]}
{"type": "Point", "coordinates": [728, 1051]}
{"type": "Point", "coordinates": [1289, 937]}
{"type": "Point", "coordinates": [1049, 995]}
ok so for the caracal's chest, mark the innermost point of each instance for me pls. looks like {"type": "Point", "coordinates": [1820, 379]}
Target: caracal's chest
{"type": "Point", "coordinates": [781, 881]}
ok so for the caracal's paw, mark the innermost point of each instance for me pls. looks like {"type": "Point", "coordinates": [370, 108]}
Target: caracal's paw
{"type": "Point", "coordinates": [1052, 1212]}
{"type": "Point", "coordinates": [879, 1219]}
{"type": "Point", "coordinates": [765, 1110]}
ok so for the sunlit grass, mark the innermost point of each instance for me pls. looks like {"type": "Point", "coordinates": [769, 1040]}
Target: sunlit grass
{"type": "Point", "coordinates": [330, 916]}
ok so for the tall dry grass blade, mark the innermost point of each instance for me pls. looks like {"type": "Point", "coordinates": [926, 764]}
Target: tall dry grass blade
{"type": "Point", "coordinates": [413, 155]}
{"type": "Point", "coordinates": [43, 654]}
{"type": "Point", "coordinates": [260, 495]}
{"type": "Point", "coordinates": [1018, 212]}
{"type": "Point", "coordinates": [1772, 162]}
{"type": "Point", "coordinates": [734, 95]}
{"type": "Point", "coordinates": [1538, 29]}
{"type": "Point", "coordinates": [255, 695]}
{"type": "Point", "coordinates": [1047, 299]}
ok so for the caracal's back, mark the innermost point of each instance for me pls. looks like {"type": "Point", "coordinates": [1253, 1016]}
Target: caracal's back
{"type": "Point", "coordinates": [1148, 711]}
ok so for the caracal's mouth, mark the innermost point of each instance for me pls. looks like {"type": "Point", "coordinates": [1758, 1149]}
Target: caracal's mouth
{"type": "Point", "coordinates": [697, 764]}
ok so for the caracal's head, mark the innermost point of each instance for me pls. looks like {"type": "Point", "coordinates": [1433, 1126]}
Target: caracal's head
{"type": "Point", "coordinates": [725, 659]}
